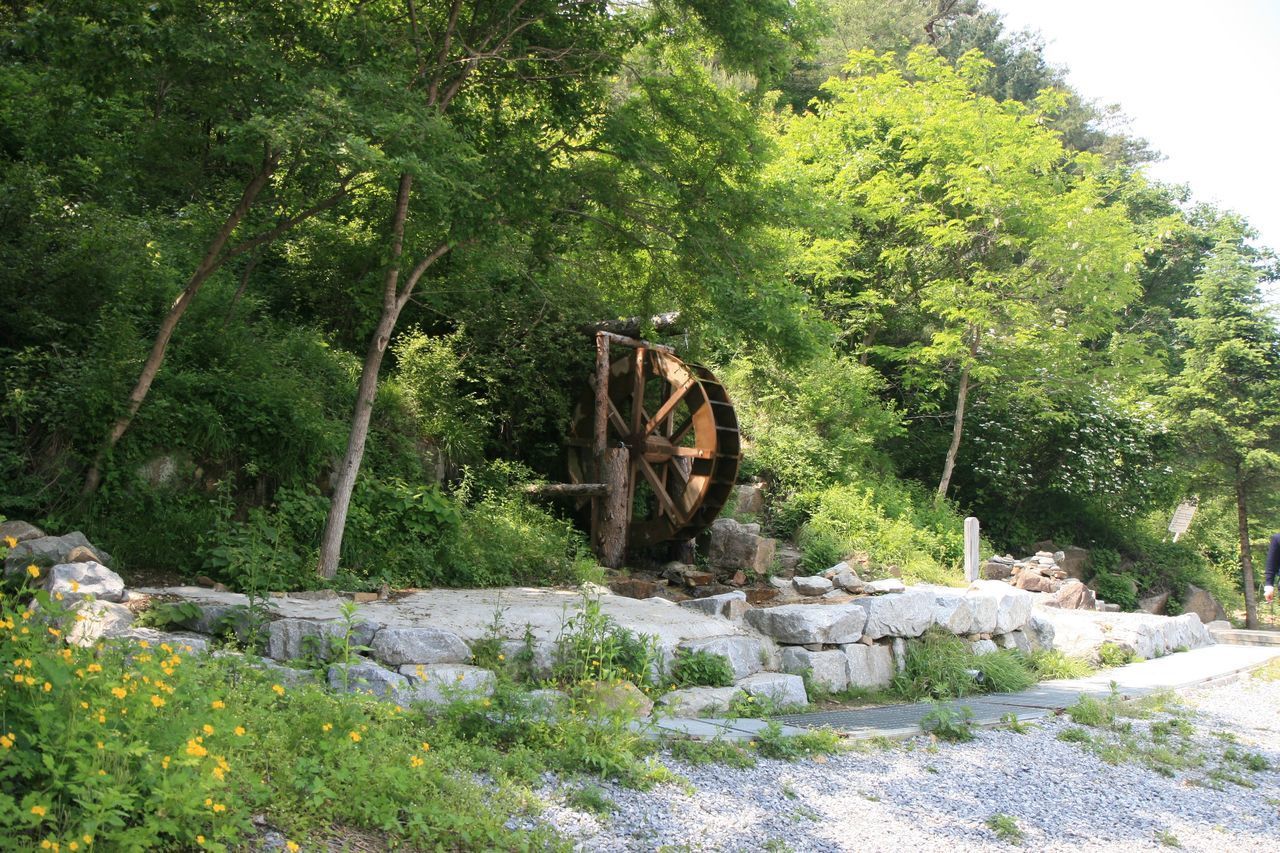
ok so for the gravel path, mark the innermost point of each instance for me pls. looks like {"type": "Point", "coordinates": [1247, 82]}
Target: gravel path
{"type": "Point", "coordinates": [923, 796]}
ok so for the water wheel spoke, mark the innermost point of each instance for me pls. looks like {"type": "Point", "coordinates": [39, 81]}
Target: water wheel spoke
{"type": "Point", "coordinates": [669, 406]}
{"type": "Point", "coordinates": [637, 392]}
{"type": "Point", "coordinates": [615, 418]}
{"type": "Point", "coordinates": [694, 452]}
{"type": "Point", "coordinates": [682, 430]}
{"type": "Point", "coordinates": [659, 491]}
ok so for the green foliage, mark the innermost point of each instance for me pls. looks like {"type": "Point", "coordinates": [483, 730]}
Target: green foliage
{"type": "Point", "coordinates": [592, 647]}
{"type": "Point", "coordinates": [715, 751]}
{"type": "Point", "coordinates": [591, 798]}
{"type": "Point", "coordinates": [701, 669]}
{"type": "Point", "coordinates": [1053, 663]}
{"type": "Point", "coordinates": [169, 614]}
{"type": "Point", "coordinates": [1013, 724]}
{"type": "Point", "coordinates": [770, 742]}
{"type": "Point", "coordinates": [893, 523]}
{"type": "Point", "coordinates": [1006, 828]}
{"type": "Point", "coordinates": [940, 665]}
{"type": "Point", "coordinates": [1117, 589]}
{"type": "Point", "coordinates": [948, 723]}
{"type": "Point", "coordinates": [1089, 711]}
{"type": "Point", "coordinates": [1114, 654]}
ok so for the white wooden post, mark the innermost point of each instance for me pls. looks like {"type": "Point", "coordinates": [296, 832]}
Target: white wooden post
{"type": "Point", "coordinates": [971, 549]}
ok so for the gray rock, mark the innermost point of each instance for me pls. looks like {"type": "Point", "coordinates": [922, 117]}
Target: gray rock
{"type": "Point", "coordinates": [699, 701]}
{"type": "Point", "coordinates": [733, 546]}
{"type": "Point", "coordinates": [440, 683]}
{"type": "Point", "coordinates": [81, 580]}
{"type": "Point", "coordinates": [1013, 606]}
{"type": "Point", "coordinates": [997, 570]}
{"type": "Point", "coordinates": [788, 559]}
{"type": "Point", "coordinates": [1039, 631]}
{"type": "Point", "coordinates": [870, 667]}
{"type": "Point", "coordinates": [1202, 603]}
{"type": "Point", "coordinates": [984, 647]}
{"type": "Point", "coordinates": [180, 643]}
{"type": "Point", "coordinates": [812, 585]}
{"type": "Point", "coordinates": [20, 530]}
{"type": "Point", "coordinates": [847, 579]}
{"type": "Point", "coordinates": [1075, 562]}
{"type": "Point", "coordinates": [906, 614]}
{"type": "Point", "coordinates": [286, 676]}
{"type": "Point", "coordinates": [1015, 640]}
{"type": "Point", "coordinates": [365, 676]}
{"type": "Point", "coordinates": [543, 655]}
{"type": "Point", "coordinates": [899, 654]}
{"type": "Point", "coordinates": [746, 654]}
{"type": "Point", "coordinates": [217, 619]}
{"type": "Point", "coordinates": [289, 639]}
{"type": "Point", "coordinates": [50, 550]}
{"type": "Point", "coordinates": [886, 585]}
{"type": "Point", "coordinates": [953, 610]}
{"type": "Point", "coordinates": [727, 605]}
{"type": "Point", "coordinates": [1154, 604]}
{"type": "Point", "coordinates": [397, 646]}
{"type": "Point", "coordinates": [1074, 595]}
{"type": "Point", "coordinates": [836, 596]}
{"type": "Point", "coordinates": [801, 624]}
{"type": "Point", "coordinates": [1219, 625]}
{"type": "Point", "coordinates": [94, 620]}
{"type": "Point", "coordinates": [782, 689]}
{"type": "Point", "coordinates": [750, 500]}
{"type": "Point", "coordinates": [829, 669]}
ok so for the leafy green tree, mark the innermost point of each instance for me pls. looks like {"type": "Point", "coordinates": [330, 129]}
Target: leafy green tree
{"type": "Point", "coordinates": [1226, 398]}
{"type": "Point", "coordinates": [952, 234]}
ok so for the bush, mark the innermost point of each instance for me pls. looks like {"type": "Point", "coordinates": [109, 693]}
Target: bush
{"type": "Point", "coordinates": [940, 665]}
{"type": "Point", "coordinates": [1053, 663]}
{"type": "Point", "coordinates": [701, 669]}
{"type": "Point", "coordinates": [953, 724]}
{"type": "Point", "coordinates": [1117, 589]}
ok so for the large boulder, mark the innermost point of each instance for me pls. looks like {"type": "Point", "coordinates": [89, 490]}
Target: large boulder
{"type": "Point", "coordinates": [81, 580]}
{"type": "Point", "coordinates": [750, 500]}
{"type": "Point", "coordinates": [728, 605]}
{"type": "Point", "coordinates": [166, 642]}
{"type": "Point", "coordinates": [1154, 604]}
{"type": "Point", "coordinates": [870, 667]}
{"type": "Point", "coordinates": [1202, 603]}
{"type": "Point", "coordinates": [365, 676]}
{"type": "Point", "coordinates": [1074, 595]}
{"type": "Point", "coordinates": [829, 669]}
{"type": "Point", "coordinates": [19, 531]}
{"type": "Point", "coordinates": [997, 569]}
{"type": "Point", "coordinates": [812, 585]}
{"type": "Point", "coordinates": [699, 701]}
{"type": "Point", "coordinates": [1040, 631]}
{"type": "Point", "coordinates": [396, 646]}
{"type": "Point", "coordinates": [1075, 562]}
{"type": "Point", "coordinates": [51, 550]}
{"type": "Point", "coordinates": [732, 546]}
{"type": "Point", "coordinates": [289, 639]}
{"type": "Point", "coordinates": [1013, 606]}
{"type": "Point", "coordinates": [783, 689]}
{"type": "Point", "coordinates": [746, 654]}
{"type": "Point", "coordinates": [94, 620]}
{"type": "Point", "coordinates": [954, 611]}
{"type": "Point", "coordinates": [441, 683]}
{"type": "Point", "coordinates": [906, 614]}
{"type": "Point", "coordinates": [808, 624]}
{"type": "Point", "coordinates": [1082, 633]}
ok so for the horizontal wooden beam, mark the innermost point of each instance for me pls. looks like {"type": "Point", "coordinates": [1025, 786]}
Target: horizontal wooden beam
{"type": "Point", "coordinates": [567, 490]}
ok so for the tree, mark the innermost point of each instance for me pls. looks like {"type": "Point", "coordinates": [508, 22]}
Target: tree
{"type": "Point", "coordinates": [228, 125]}
{"type": "Point", "coordinates": [954, 235]}
{"type": "Point", "coordinates": [1226, 399]}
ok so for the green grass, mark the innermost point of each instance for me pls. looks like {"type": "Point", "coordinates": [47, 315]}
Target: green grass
{"type": "Point", "coordinates": [717, 751]}
{"type": "Point", "coordinates": [591, 798]}
{"type": "Point", "coordinates": [940, 665]}
{"type": "Point", "coordinates": [1052, 664]}
{"type": "Point", "coordinates": [772, 743]}
{"type": "Point", "coordinates": [1006, 828]}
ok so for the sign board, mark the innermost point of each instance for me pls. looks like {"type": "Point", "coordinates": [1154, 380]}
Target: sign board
{"type": "Point", "coordinates": [1182, 518]}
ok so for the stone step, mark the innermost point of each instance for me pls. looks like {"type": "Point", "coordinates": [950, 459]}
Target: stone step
{"type": "Point", "coordinates": [1242, 637]}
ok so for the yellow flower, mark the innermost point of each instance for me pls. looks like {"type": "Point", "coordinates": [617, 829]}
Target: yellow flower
{"type": "Point", "coordinates": [157, 701]}
{"type": "Point", "coordinates": [218, 773]}
{"type": "Point", "coordinates": [207, 729]}
{"type": "Point", "coordinates": [7, 741]}
{"type": "Point", "coordinates": [75, 586]}
{"type": "Point", "coordinates": [119, 692]}
{"type": "Point", "coordinates": [45, 844]}
{"type": "Point", "coordinates": [194, 748]}
{"type": "Point", "coordinates": [355, 736]}
{"type": "Point", "coordinates": [47, 687]}
{"type": "Point", "coordinates": [278, 689]}
{"type": "Point", "coordinates": [88, 839]}
{"type": "Point", "coordinates": [33, 570]}
{"type": "Point", "coordinates": [144, 644]}
{"type": "Point", "coordinates": [218, 704]}
{"type": "Point", "coordinates": [327, 727]}
{"type": "Point", "coordinates": [239, 731]}
{"type": "Point", "coordinates": [94, 667]}
{"type": "Point", "coordinates": [219, 807]}
{"type": "Point", "coordinates": [425, 746]}
{"type": "Point", "coordinates": [502, 657]}
{"type": "Point", "coordinates": [415, 761]}
{"type": "Point", "coordinates": [73, 846]}
{"type": "Point", "coordinates": [39, 811]}
{"type": "Point", "coordinates": [292, 846]}
{"type": "Point", "coordinates": [164, 763]}
{"type": "Point", "coordinates": [11, 541]}
{"type": "Point", "coordinates": [101, 745]}
{"type": "Point", "coordinates": [199, 839]}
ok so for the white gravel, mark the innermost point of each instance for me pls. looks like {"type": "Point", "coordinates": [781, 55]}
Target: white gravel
{"type": "Point", "coordinates": [920, 796]}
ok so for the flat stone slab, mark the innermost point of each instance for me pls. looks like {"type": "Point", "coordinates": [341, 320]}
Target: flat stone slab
{"type": "Point", "coordinates": [469, 612]}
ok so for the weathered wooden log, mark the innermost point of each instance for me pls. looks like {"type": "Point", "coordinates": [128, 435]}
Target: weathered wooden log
{"type": "Point", "coordinates": [633, 326]}
{"type": "Point", "coordinates": [567, 490]}
{"type": "Point", "coordinates": [615, 513]}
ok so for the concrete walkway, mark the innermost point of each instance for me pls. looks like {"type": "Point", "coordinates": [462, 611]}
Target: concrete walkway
{"type": "Point", "coordinates": [1200, 667]}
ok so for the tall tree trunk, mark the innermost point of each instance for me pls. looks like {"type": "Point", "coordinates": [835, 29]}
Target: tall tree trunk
{"type": "Point", "coordinates": [336, 522]}
{"type": "Point", "coordinates": [1246, 555]}
{"type": "Point", "coordinates": [212, 261]}
{"type": "Point", "coordinates": [957, 423]}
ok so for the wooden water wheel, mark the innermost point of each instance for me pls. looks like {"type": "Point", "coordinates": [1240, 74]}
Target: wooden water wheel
{"type": "Point", "coordinates": [658, 441]}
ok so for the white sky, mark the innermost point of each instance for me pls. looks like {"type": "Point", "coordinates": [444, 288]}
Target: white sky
{"type": "Point", "coordinates": [1200, 81]}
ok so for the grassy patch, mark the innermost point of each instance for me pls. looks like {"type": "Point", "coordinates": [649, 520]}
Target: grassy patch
{"type": "Point", "coordinates": [591, 798]}
{"type": "Point", "coordinates": [772, 743]}
{"type": "Point", "coordinates": [940, 665]}
{"type": "Point", "coordinates": [1053, 664]}
{"type": "Point", "coordinates": [1166, 838]}
{"type": "Point", "coordinates": [953, 724]}
{"type": "Point", "coordinates": [703, 752]}
{"type": "Point", "coordinates": [1114, 654]}
{"type": "Point", "coordinates": [1006, 828]}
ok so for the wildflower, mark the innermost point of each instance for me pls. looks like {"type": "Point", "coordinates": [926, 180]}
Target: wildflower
{"type": "Point", "coordinates": [101, 745]}
{"type": "Point", "coordinates": [219, 807]}
{"type": "Point", "coordinates": [33, 570]}
{"type": "Point", "coordinates": [278, 689]}
{"type": "Point", "coordinates": [119, 692]}
{"type": "Point", "coordinates": [207, 729]}
{"type": "Point", "coordinates": [39, 811]}
{"type": "Point", "coordinates": [425, 746]}
{"type": "Point", "coordinates": [355, 736]}
{"type": "Point", "coordinates": [75, 586]}
{"type": "Point", "coordinates": [194, 748]}
{"type": "Point", "coordinates": [218, 704]}
{"type": "Point", "coordinates": [502, 657]}
{"type": "Point", "coordinates": [200, 839]}
{"type": "Point", "coordinates": [59, 596]}
{"type": "Point", "coordinates": [7, 741]}
{"type": "Point", "coordinates": [144, 644]}
{"type": "Point", "coordinates": [94, 667]}
{"type": "Point", "coordinates": [165, 647]}
{"type": "Point", "coordinates": [11, 541]}
{"type": "Point", "coordinates": [239, 731]}
{"type": "Point", "coordinates": [164, 763]}
{"type": "Point", "coordinates": [45, 844]}
{"type": "Point", "coordinates": [88, 839]}
{"type": "Point", "coordinates": [47, 687]}
{"type": "Point", "coordinates": [292, 846]}
{"type": "Point", "coordinates": [157, 701]}
{"type": "Point", "coordinates": [218, 773]}
{"type": "Point", "coordinates": [74, 845]}
{"type": "Point", "coordinates": [327, 727]}
{"type": "Point", "coordinates": [415, 761]}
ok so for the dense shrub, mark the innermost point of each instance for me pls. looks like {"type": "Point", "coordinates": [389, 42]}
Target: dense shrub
{"type": "Point", "coordinates": [940, 665]}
